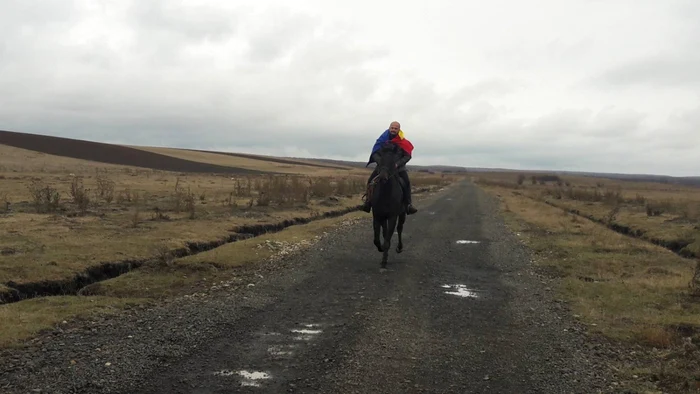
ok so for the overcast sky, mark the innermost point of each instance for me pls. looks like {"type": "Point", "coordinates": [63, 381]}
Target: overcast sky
{"type": "Point", "coordinates": [587, 85]}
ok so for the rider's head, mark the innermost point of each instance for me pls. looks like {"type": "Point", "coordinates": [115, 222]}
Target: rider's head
{"type": "Point", "coordinates": [394, 128]}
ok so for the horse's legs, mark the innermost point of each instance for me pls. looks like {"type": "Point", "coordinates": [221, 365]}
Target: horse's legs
{"type": "Point", "coordinates": [377, 227]}
{"type": "Point", "coordinates": [399, 229]}
{"type": "Point", "coordinates": [388, 233]}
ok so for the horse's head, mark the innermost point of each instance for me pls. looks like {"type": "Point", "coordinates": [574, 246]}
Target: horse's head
{"type": "Point", "coordinates": [389, 155]}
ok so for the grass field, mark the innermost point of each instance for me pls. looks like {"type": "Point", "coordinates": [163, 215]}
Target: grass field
{"type": "Point", "coordinates": [623, 254]}
{"type": "Point", "coordinates": [80, 236]}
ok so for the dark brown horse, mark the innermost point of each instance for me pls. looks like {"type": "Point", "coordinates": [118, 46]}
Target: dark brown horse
{"type": "Point", "coordinates": [388, 206]}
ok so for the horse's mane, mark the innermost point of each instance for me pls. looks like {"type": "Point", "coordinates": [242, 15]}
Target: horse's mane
{"type": "Point", "coordinates": [388, 154]}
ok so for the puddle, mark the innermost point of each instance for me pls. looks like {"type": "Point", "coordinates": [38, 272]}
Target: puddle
{"type": "Point", "coordinates": [465, 241]}
{"type": "Point", "coordinates": [281, 350]}
{"type": "Point", "coordinates": [460, 291]}
{"type": "Point", "coordinates": [249, 378]}
{"type": "Point", "coordinates": [306, 334]}
{"type": "Point", "coordinates": [306, 331]}
{"type": "Point", "coordinates": [252, 378]}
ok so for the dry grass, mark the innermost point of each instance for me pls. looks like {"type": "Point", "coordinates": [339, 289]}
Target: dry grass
{"type": "Point", "coordinates": [625, 288]}
{"type": "Point", "coordinates": [57, 245]}
{"type": "Point", "coordinates": [659, 212]}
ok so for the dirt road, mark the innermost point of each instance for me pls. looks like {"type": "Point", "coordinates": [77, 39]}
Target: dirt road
{"type": "Point", "coordinates": [460, 311]}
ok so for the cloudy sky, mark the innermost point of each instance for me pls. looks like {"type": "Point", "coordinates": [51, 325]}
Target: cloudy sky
{"type": "Point", "coordinates": [587, 85]}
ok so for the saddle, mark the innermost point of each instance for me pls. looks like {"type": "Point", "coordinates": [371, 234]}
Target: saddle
{"type": "Point", "coordinates": [373, 183]}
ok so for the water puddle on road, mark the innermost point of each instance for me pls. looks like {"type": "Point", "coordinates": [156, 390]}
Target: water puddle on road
{"type": "Point", "coordinates": [466, 241]}
{"type": "Point", "coordinates": [460, 291]}
{"type": "Point", "coordinates": [248, 378]}
{"type": "Point", "coordinates": [305, 334]}
{"type": "Point", "coordinates": [281, 351]}
{"type": "Point", "coordinates": [252, 378]}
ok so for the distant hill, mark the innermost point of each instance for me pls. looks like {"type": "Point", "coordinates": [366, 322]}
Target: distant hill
{"type": "Point", "coordinates": [111, 154]}
{"type": "Point", "coordinates": [688, 181]}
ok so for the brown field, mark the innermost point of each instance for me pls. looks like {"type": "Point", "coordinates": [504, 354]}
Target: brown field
{"type": "Point", "coordinates": [92, 228]}
{"type": "Point", "coordinates": [110, 154]}
{"type": "Point", "coordinates": [625, 257]}
{"type": "Point", "coordinates": [256, 164]}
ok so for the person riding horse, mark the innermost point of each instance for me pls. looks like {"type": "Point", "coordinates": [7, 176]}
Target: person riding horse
{"type": "Point", "coordinates": [396, 136]}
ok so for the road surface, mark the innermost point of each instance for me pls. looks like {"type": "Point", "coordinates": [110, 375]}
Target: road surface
{"type": "Point", "coordinates": [459, 311]}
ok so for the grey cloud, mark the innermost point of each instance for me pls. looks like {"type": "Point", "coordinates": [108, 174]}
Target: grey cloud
{"type": "Point", "coordinates": [181, 20]}
{"type": "Point", "coordinates": [279, 34]}
{"type": "Point", "coordinates": [485, 89]}
{"type": "Point", "coordinates": [667, 70]}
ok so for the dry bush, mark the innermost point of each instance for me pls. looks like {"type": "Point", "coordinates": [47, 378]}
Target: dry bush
{"type": "Point", "coordinates": [44, 197]}
{"type": "Point", "coordinates": [138, 201]}
{"type": "Point", "coordinates": [608, 197]}
{"type": "Point", "coordinates": [244, 187]}
{"type": "Point", "coordinates": [158, 215]}
{"type": "Point", "coordinates": [684, 209]}
{"type": "Point", "coordinates": [612, 214]}
{"type": "Point", "coordinates": [79, 194]}
{"type": "Point", "coordinates": [281, 190]}
{"type": "Point", "coordinates": [124, 196]}
{"type": "Point", "coordinates": [105, 189]}
{"type": "Point", "coordinates": [480, 180]}
{"type": "Point", "coordinates": [321, 187]}
{"type": "Point", "coordinates": [653, 209]}
{"type": "Point", "coordinates": [230, 201]}
{"type": "Point", "coordinates": [165, 256]}
{"type": "Point", "coordinates": [190, 203]}
{"type": "Point", "coordinates": [262, 200]}
{"type": "Point", "coordinates": [687, 209]}
{"type": "Point", "coordinates": [179, 197]}
{"type": "Point", "coordinates": [350, 186]}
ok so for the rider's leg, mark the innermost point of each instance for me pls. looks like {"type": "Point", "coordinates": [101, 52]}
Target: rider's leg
{"type": "Point", "coordinates": [367, 204]}
{"type": "Point", "coordinates": [407, 193]}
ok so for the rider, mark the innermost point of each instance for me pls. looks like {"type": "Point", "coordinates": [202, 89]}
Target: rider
{"type": "Point", "coordinates": [395, 135]}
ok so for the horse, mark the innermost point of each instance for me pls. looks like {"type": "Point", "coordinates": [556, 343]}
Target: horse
{"type": "Point", "coordinates": [388, 205]}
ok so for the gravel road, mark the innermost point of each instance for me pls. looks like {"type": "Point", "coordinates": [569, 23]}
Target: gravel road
{"type": "Point", "coordinates": [459, 311]}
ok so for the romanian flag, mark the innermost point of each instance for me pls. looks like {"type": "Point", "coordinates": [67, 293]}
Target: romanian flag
{"type": "Point", "coordinates": [399, 140]}
{"type": "Point", "coordinates": [403, 143]}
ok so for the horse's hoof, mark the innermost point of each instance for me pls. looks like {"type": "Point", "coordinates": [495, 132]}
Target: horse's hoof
{"type": "Point", "coordinates": [399, 250]}
{"type": "Point", "coordinates": [383, 270]}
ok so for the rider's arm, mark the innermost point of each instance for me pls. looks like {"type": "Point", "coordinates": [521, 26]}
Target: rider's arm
{"type": "Point", "coordinates": [404, 159]}
{"type": "Point", "coordinates": [376, 157]}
